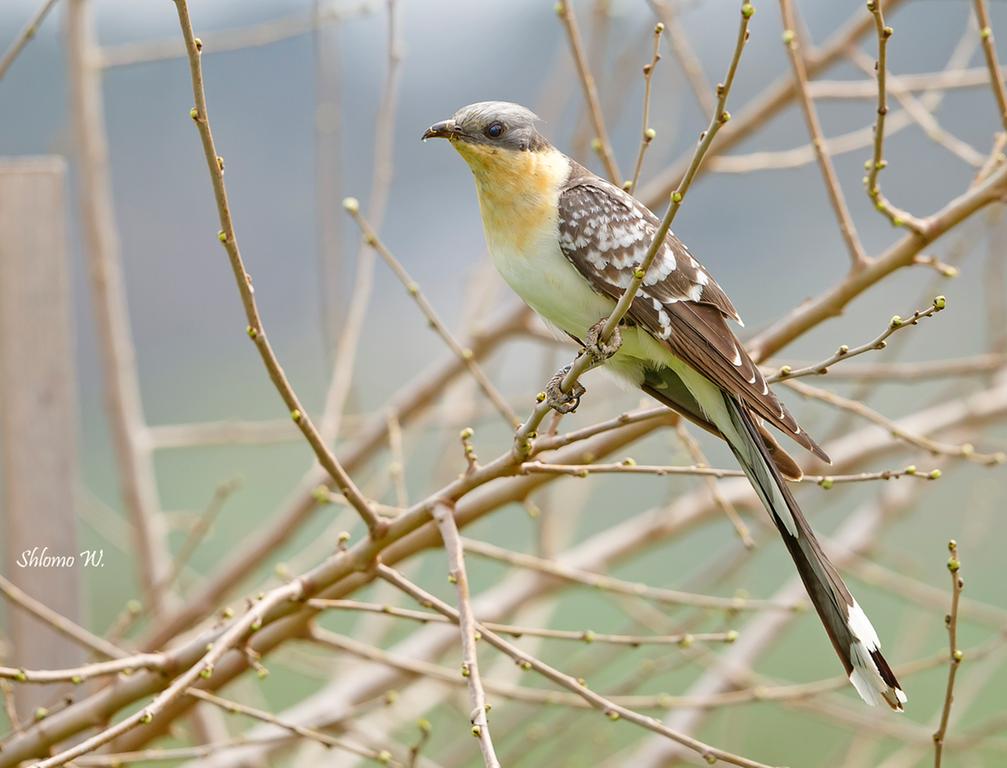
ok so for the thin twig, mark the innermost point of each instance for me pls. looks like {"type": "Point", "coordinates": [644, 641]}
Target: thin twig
{"type": "Point", "coordinates": [10, 708]}
{"type": "Point", "coordinates": [255, 328]}
{"type": "Point", "coordinates": [601, 144]}
{"type": "Point", "coordinates": [990, 52]}
{"type": "Point", "coordinates": [526, 661]}
{"type": "Point", "coordinates": [629, 467]}
{"type": "Point", "coordinates": [767, 104]}
{"type": "Point", "coordinates": [985, 191]}
{"type": "Point", "coordinates": [587, 636]}
{"type": "Point", "coordinates": [77, 675]}
{"type": "Point", "coordinates": [619, 586]}
{"type": "Point", "coordinates": [921, 113]}
{"type": "Point", "coordinates": [232, 637]}
{"type": "Point", "coordinates": [397, 467]}
{"type": "Point", "coordinates": [445, 519]}
{"type": "Point", "coordinates": [381, 756]}
{"type": "Point", "coordinates": [857, 256]}
{"type": "Point", "coordinates": [25, 36]}
{"type": "Point", "coordinates": [963, 451]}
{"type": "Point", "coordinates": [58, 622]}
{"type": "Point", "coordinates": [137, 478]}
{"type": "Point", "coordinates": [199, 530]}
{"type": "Point", "coordinates": [944, 80]}
{"type": "Point", "coordinates": [237, 38]}
{"type": "Point", "coordinates": [647, 133]}
{"type": "Point", "coordinates": [897, 323]}
{"type": "Point", "coordinates": [465, 355]}
{"type": "Point", "coordinates": [896, 216]}
{"type": "Point", "coordinates": [955, 655]}
{"type": "Point", "coordinates": [681, 49]}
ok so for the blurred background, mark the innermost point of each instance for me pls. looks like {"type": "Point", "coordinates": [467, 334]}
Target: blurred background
{"type": "Point", "coordinates": [298, 118]}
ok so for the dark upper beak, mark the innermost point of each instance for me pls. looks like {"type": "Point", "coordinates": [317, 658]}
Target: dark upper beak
{"type": "Point", "coordinates": [445, 129]}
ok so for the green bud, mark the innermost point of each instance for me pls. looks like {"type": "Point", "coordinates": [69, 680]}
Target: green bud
{"type": "Point", "coordinates": [351, 204]}
{"type": "Point", "coordinates": [650, 134]}
{"type": "Point", "coordinates": [940, 302]}
{"type": "Point", "coordinates": [748, 10]}
{"type": "Point", "coordinates": [788, 37]}
{"type": "Point", "coordinates": [676, 196]}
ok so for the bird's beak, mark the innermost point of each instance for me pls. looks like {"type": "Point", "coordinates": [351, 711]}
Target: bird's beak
{"type": "Point", "coordinates": [445, 129]}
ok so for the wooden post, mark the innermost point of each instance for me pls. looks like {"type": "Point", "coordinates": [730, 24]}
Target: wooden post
{"type": "Point", "coordinates": [38, 415]}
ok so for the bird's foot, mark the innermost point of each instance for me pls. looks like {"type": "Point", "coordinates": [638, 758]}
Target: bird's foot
{"type": "Point", "coordinates": [600, 349]}
{"type": "Point", "coordinates": [557, 399]}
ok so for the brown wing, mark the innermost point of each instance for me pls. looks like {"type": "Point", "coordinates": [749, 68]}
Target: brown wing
{"type": "Point", "coordinates": [605, 233]}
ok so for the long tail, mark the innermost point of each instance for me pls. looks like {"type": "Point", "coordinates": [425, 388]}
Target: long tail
{"type": "Point", "coordinates": [848, 627]}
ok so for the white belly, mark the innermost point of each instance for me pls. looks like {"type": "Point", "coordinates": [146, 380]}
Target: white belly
{"type": "Point", "coordinates": [551, 286]}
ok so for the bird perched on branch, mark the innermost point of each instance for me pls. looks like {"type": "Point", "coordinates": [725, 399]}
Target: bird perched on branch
{"type": "Point", "coordinates": [569, 242]}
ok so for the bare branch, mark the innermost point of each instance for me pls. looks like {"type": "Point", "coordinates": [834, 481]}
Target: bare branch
{"type": "Point", "coordinates": [647, 133]}
{"type": "Point", "coordinates": [858, 257]}
{"type": "Point", "coordinates": [990, 52]}
{"type": "Point", "coordinates": [601, 143]}
{"type": "Point", "coordinates": [25, 36]}
{"type": "Point", "coordinates": [444, 516]}
{"type": "Point", "coordinates": [955, 654]}
{"type": "Point", "coordinates": [896, 216]}
{"type": "Point", "coordinates": [465, 355]}
{"type": "Point", "coordinates": [59, 622]}
{"type": "Point", "coordinates": [843, 353]}
{"type": "Point", "coordinates": [255, 329]}
{"type": "Point", "coordinates": [612, 710]}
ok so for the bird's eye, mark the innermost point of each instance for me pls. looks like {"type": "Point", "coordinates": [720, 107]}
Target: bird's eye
{"type": "Point", "coordinates": [494, 130]}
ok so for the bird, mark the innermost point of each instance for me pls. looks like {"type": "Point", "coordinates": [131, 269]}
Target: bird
{"type": "Point", "coordinates": [568, 243]}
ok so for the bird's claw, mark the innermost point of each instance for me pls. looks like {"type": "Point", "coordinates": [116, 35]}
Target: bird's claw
{"type": "Point", "coordinates": [600, 349]}
{"type": "Point", "coordinates": [557, 399]}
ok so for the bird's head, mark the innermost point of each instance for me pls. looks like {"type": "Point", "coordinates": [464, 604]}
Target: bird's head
{"type": "Point", "coordinates": [491, 135]}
